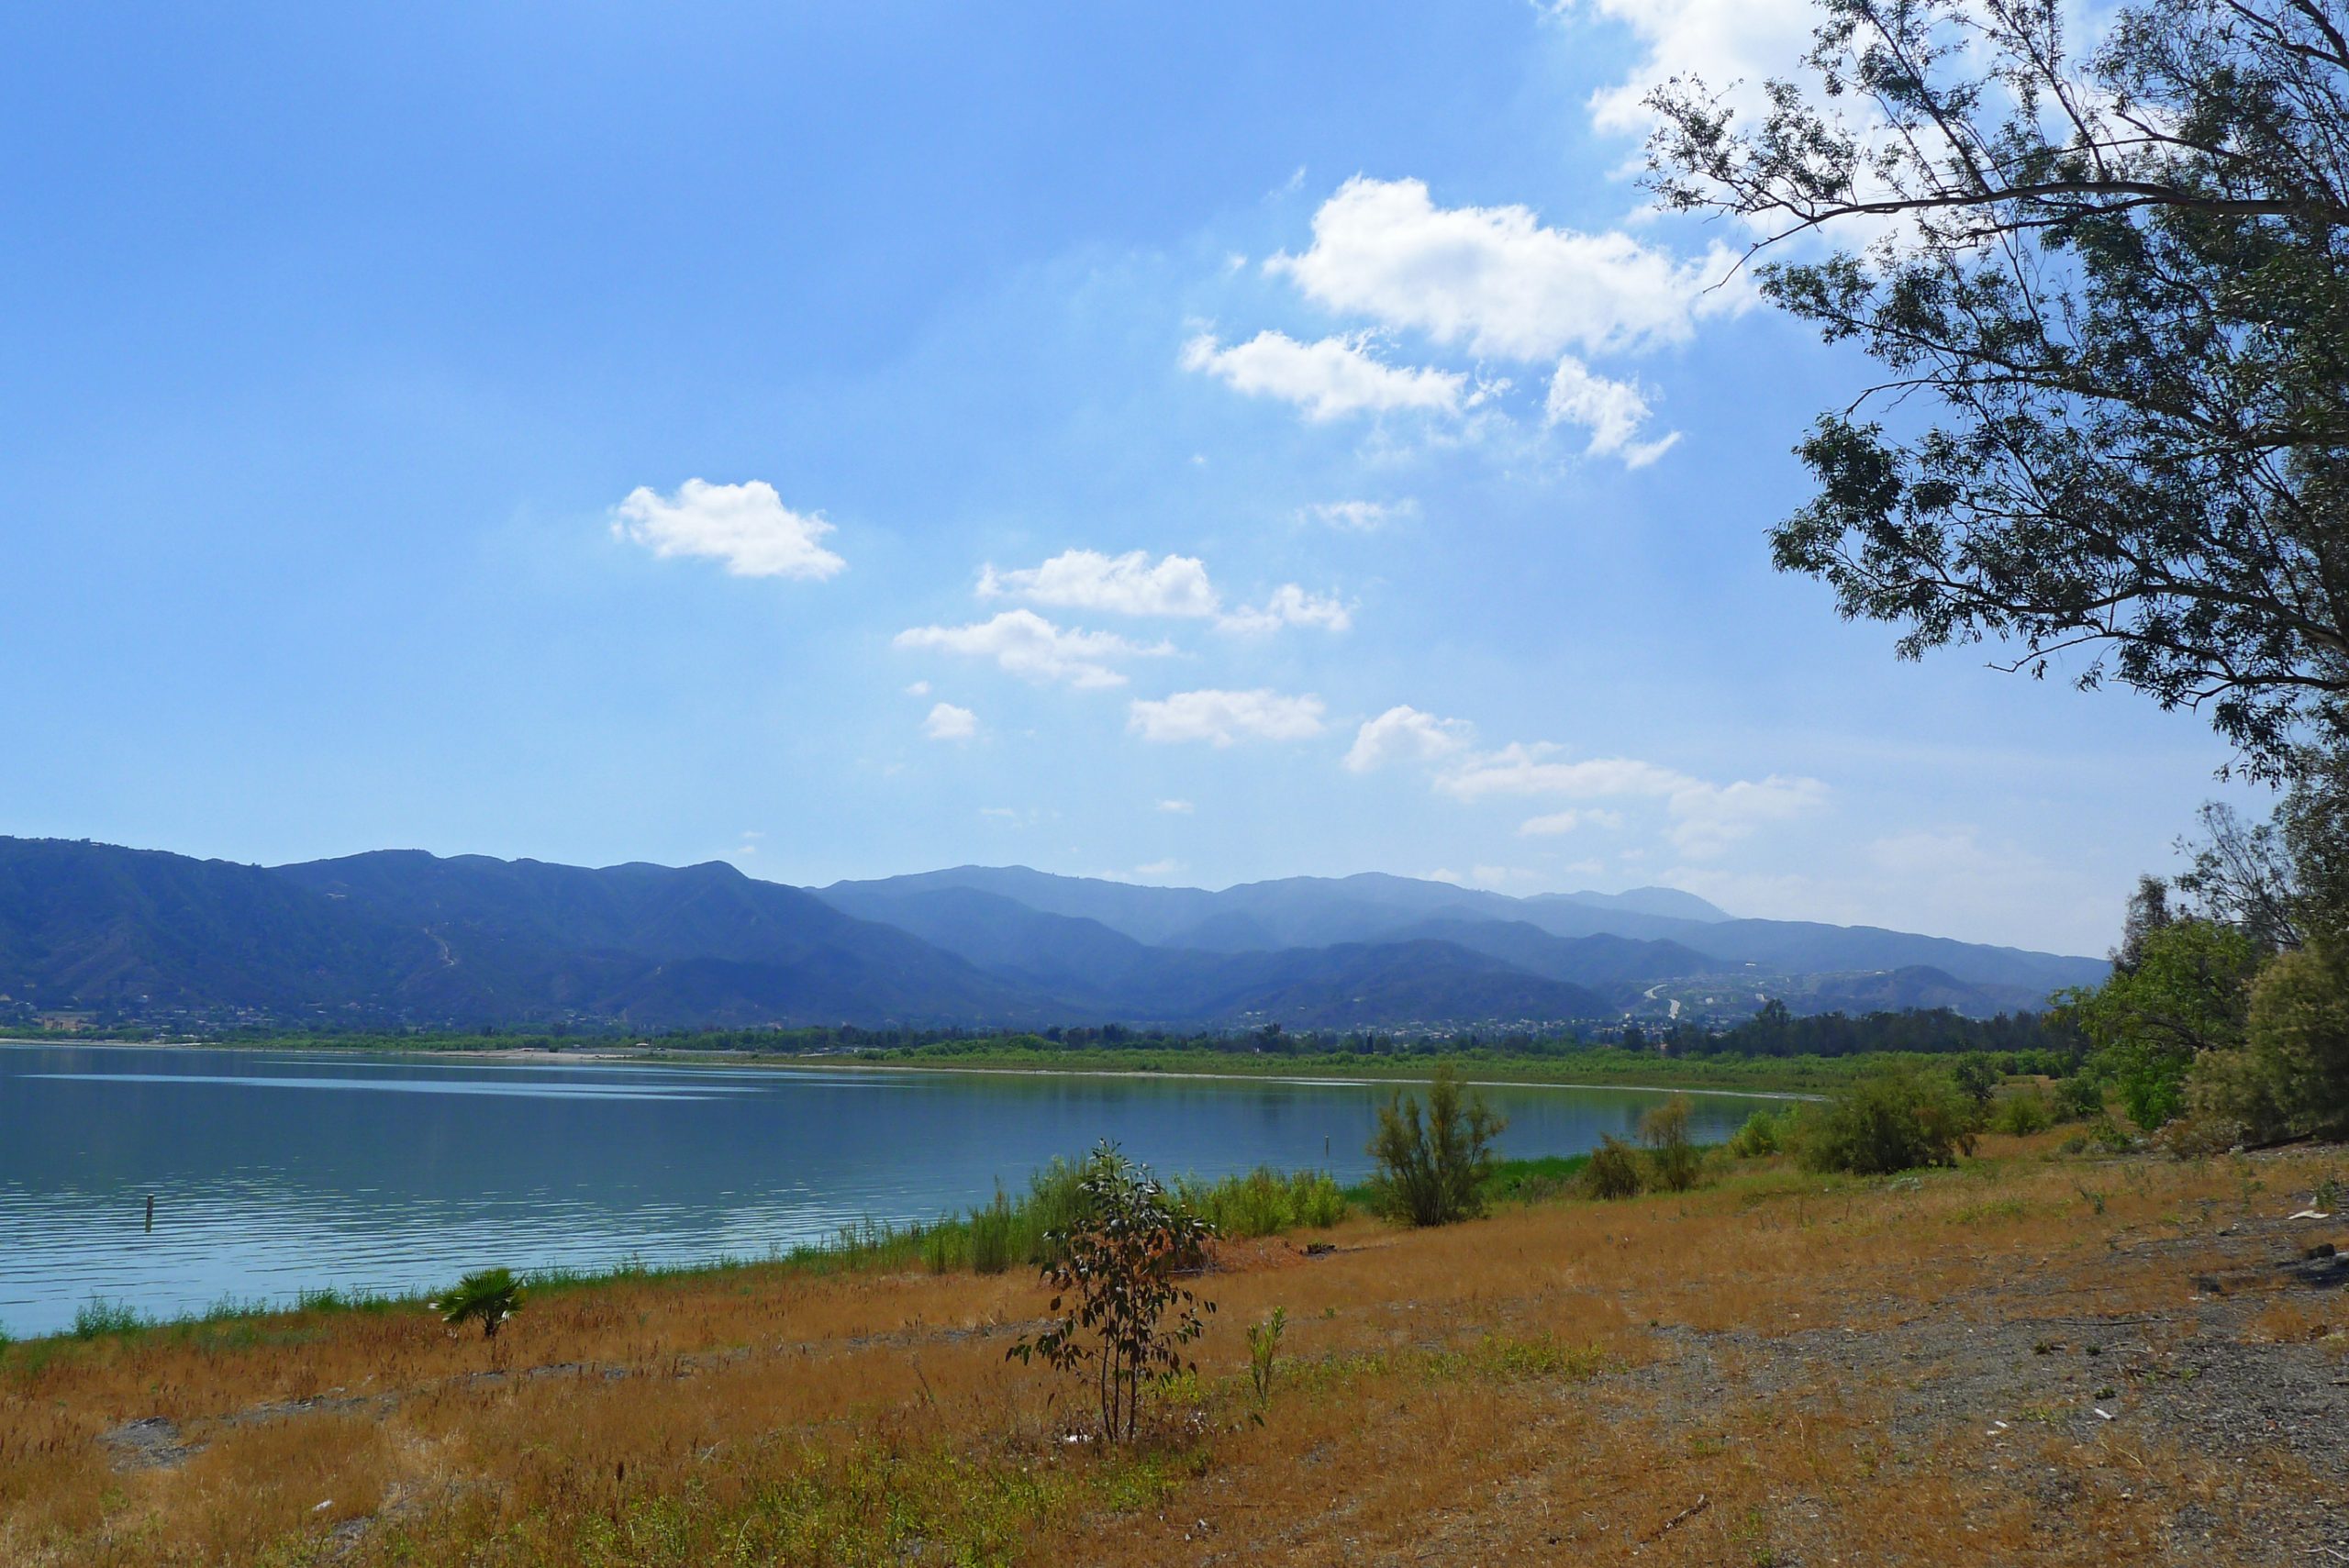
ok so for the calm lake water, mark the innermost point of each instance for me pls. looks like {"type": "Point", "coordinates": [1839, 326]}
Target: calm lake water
{"type": "Point", "coordinates": [275, 1172]}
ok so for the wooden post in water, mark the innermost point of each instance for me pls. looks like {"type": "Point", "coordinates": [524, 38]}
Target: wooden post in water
{"type": "Point", "coordinates": [150, 1211]}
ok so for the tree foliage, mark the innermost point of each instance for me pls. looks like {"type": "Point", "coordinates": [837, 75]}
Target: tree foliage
{"type": "Point", "coordinates": [2177, 990]}
{"type": "Point", "coordinates": [1118, 1306]}
{"type": "Point", "coordinates": [1431, 1173]}
{"type": "Point", "coordinates": [2108, 290]}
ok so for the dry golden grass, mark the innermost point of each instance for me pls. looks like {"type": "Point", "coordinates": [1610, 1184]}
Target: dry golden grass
{"type": "Point", "coordinates": [1775, 1368]}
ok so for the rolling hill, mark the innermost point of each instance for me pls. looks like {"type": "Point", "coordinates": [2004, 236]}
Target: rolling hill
{"type": "Point", "coordinates": [403, 936]}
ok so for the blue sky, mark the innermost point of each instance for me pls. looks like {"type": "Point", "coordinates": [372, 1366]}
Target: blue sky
{"type": "Point", "coordinates": [1197, 445]}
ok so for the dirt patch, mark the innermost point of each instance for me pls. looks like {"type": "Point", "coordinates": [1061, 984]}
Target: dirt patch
{"type": "Point", "coordinates": [152, 1443]}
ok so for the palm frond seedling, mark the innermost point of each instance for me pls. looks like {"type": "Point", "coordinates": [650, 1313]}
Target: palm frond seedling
{"type": "Point", "coordinates": [488, 1298]}
{"type": "Point", "coordinates": [1119, 1311]}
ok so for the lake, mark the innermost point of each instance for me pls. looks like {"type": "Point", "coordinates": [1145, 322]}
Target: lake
{"type": "Point", "coordinates": [276, 1172]}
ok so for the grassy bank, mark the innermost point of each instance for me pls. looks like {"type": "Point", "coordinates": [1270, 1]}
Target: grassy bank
{"type": "Point", "coordinates": [2037, 1358]}
{"type": "Point", "coordinates": [1014, 1231]}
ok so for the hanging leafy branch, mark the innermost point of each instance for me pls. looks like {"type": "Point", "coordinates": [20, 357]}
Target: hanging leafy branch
{"type": "Point", "coordinates": [2108, 294]}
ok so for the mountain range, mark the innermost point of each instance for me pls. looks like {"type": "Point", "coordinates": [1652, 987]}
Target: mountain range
{"type": "Point", "coordinates": [403, 936]}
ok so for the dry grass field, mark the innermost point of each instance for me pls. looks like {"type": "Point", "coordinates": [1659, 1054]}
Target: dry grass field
{"type": "Point", "coordinates": [2036, 1359]}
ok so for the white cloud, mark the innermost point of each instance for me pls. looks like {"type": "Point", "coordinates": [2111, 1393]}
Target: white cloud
{"type": "Point", "coordinates": [919, 689]}
{"type": "Point", "coordinates": [1403, 734]}
{"type": "Point", "coordinates": [1708, 817]}
{"type": "Point", "coordinates": [1496, 280]}
{"type": "Point", "coordinates": [1160, 868]}
{"type": "Point", "coordinates": [745, 526]}
{"type": "Point", "coordinates": [1125, 584]}
{"type": "Point", "coordinates": [1725, 43]}
{"type": "Point", "coordinates": [1612, 411]}
{"type": "Point", "coordinates": [1519, 769]}
{"type": "Point", "coordinates": [1131, 584]}
{"type": "Point", "coordinates": [1361, 517]}
{"type": "Point", "coordinates": [1223, 718]}
{"type": "Point", "coordinates": [1327, 379]}
{"type": "Point", "coordinates": [1026, 644]}
{"type": "Point", "coordinates": [1562, 822]}
{"type": "Point", "coordinates": [1177, 808]}
{"type": "Point", "coordinates": [1290, 606]}
{"type": "Point", "coordinates": [947, 722]}
{"type": "Point", "coordinates": [1704, 818]}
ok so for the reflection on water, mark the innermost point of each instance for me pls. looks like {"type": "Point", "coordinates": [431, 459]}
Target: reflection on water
{"type": "Point", "coordinates": [421, 1167]}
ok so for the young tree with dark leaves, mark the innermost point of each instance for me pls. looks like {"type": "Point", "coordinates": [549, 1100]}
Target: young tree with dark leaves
{"type": "Point", "coordinates": [1118, 1307]}
{"type": "Point", "coordinates": [2109, 292]}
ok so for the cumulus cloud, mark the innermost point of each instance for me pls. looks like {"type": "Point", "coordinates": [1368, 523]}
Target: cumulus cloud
{"type": "Point", "coordinates": [1496, 280]}
{"type": "Point", "coordinates": [1125, 584]}
{"type": "Point", "coordinates": [1612, 411]}
{"type": "Point", "coordinates": [1327, 379]}
{"type": "Point", "coordinates": [1403, 734]}
{"type": "Point", "coordinates": [745, 526]}
{"type": "Point", "coordinates": [1704, 818]}
{"type": "Point", "coordinates": [1177, 807]}
{"type": "Point", "coordinates": [947, 722]}
{"type": "Point", "coordinates": [1290, 606]}
{"type": "Point", "coordinates": [1361, 517]}
{"type": "Point", "coordinates": [1178, 585]}
{"type": "Point", "coordinates": [1224, 718]}
{"type": "Point", "coordinates": [1028, 645]}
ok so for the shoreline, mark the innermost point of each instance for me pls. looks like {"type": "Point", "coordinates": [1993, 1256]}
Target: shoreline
{"type": "Point", "coordinates": [539, 1056]}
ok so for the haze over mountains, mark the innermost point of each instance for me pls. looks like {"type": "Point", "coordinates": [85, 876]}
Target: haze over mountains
{"type": "Point", "coordinates": [404, 937]}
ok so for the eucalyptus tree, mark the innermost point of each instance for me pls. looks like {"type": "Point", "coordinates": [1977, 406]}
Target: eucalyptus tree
{"type": "Point", "coordinates": [2105, 285]}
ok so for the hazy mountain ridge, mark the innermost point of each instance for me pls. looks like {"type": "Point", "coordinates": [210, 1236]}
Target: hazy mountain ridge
{"type": "Point", "coordinates": [403, 936]}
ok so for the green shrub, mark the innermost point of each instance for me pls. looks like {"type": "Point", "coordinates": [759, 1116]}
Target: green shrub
{"type": "Point", "coordinates": [2078, 1098]}
{"type": "Point", "coordinates": [942, 1249]}
{"type": "Point", "coordinates": [1055, 1207]}
{"type": "Point", "coordinates": [1893, 1119]}
{"type": "Point", "coordinates": [2024, 1112]}
{"type": "Point", "coordinates": [1614, 1171]}
{"type": "Point", "coordinates": [2100, 1131]}
{"type": "Point", "coordinates": [98, 1317]}
{"type": "Point", "coordinates": [994, 1235]}
{"type": "Point", "coordinates": [1977, 1076]}
{"type": "Point", "coordinates": [1319, 1201]}
{"type": "Point", "coordinates": [1265, 1202]}
{"type": "Point", "coordinates": [1432, 1172]}
{"type": "Point", "coordinates": [1759, 1136]}
{"type": "Point", "coordinates": [1673, 1159]}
